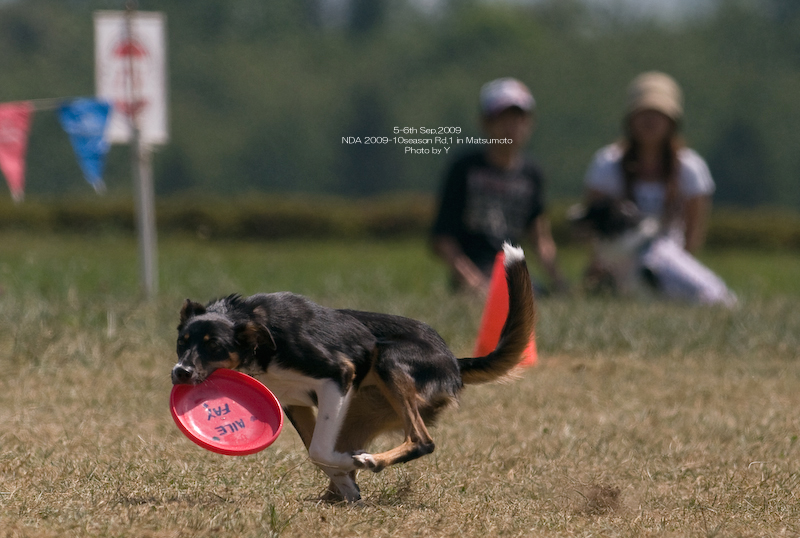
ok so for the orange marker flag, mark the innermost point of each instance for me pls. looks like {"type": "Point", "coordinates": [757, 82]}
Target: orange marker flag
{"type": "Point", "coordinates": [15, 121]}
{"type": "Point", "coordinates": [495, 313]}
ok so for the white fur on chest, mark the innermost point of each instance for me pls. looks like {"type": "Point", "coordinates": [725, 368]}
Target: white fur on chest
{"type": "Point", "coordinates": [291, 387]}
{"type": "Point", "coordinates": [621, 256]}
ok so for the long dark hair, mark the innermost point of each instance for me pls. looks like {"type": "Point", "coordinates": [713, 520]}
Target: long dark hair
{"type": "Point", "coordinates": [670, 166]}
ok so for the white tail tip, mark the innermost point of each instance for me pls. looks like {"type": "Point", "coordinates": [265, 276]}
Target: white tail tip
{"type": "Point", "coordinates": [512, 254]}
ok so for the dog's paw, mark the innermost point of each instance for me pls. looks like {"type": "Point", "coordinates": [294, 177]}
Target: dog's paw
{"type": "Point", "coordinates": [364, 460]}
{"type": "Point", "coordinates": [341, 488]}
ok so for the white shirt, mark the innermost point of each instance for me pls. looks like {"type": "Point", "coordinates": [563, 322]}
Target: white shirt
{"type": "Point", "coordinates": [605, 175]}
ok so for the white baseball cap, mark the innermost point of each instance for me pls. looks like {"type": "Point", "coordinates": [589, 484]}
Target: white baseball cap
{"type": "Point", "coordinates": [503, 93]}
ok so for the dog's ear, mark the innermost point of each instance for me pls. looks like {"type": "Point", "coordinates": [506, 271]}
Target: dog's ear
{"type": "Point", "coordinates": [577, 213]}
{"type": "Point", "coordinates": [251, 335]}
{"type": "Point", "coordinates": [629, 210]}
{"type": "Point", "coordinates": [189, 310]}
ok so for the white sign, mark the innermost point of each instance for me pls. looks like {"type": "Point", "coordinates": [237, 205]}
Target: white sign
{"type": "Point", "coordinates": [130, 72]}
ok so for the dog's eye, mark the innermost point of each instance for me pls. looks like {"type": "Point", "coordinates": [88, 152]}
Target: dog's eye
{"type": "Point", "coordinates": [183, 340]}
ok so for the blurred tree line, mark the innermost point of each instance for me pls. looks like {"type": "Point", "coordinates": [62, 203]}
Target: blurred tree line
{"type": "Point", "coordinates": [262, 93]}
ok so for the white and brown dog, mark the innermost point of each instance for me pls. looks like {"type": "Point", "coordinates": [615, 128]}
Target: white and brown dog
{"type": "Point", "coordinates": [365, 373]}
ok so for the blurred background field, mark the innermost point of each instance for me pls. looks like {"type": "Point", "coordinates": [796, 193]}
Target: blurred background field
{"type": "Point", "coordinates": [262, 93]}
{"type": "Point", "coordinates": [647, 419]}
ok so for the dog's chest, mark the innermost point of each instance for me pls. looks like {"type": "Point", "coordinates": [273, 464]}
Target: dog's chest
{"type": "Point", "coordinates": [291, 387]}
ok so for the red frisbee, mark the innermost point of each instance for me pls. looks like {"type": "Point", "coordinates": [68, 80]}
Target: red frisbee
{"type": "Point", "coordinates": [229, 413]}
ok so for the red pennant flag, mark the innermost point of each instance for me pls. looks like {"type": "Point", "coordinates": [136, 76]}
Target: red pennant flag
{"type": "Point", "coordinates": [15, 121]}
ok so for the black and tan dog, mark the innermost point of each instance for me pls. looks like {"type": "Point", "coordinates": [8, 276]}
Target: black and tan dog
{"type": "Point", "coordinates": [365, 373]}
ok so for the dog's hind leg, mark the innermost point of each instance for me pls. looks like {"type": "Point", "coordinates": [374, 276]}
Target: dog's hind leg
{"type": "Point", "coordinates": [401, 393]}
{"type": "Point", "coordinates": [370, 414]}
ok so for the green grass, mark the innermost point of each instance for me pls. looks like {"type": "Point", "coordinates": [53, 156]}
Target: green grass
{"type": "Point", "coordinates": [641, 419]}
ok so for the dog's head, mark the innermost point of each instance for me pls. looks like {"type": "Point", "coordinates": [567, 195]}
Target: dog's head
{"type": "Point", "coordinates": [605, 217]}
{"type": "Point", "coordinates": [209, 339]}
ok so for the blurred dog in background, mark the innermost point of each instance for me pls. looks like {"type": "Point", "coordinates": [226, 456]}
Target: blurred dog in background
{"type": "Point", "coordinates": [634, 257]}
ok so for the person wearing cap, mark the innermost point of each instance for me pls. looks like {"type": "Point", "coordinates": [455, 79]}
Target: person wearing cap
{"type": "Point", "coordinates": [495, 194]}
{"type": "Point", "coordinates": [652, 167]}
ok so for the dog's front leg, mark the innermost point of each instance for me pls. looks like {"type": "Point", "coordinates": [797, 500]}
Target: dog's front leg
{"type": "Point", "coordinates": [343, 485]}
{"type": "Point", "coordinates": [332, 409]}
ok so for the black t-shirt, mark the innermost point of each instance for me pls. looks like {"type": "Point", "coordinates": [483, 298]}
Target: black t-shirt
{"type": "Point", "coordinates": [482, 206]}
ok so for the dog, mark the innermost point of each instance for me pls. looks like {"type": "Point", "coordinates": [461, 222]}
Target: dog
{"type": "Point", "coordinates": [365, 373]}
{"type": "Point", "coordinates": [640, 260]}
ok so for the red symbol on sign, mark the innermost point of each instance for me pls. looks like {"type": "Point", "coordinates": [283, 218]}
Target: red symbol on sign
{"type": "Point", "coordinates": [133, 60]}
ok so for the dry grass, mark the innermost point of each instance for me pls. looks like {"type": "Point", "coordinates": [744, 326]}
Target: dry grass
{"type": "Point", "coordinates": [640, 420]}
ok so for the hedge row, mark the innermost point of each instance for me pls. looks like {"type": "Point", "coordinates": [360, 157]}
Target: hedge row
{"type": "Point", "coordinates": [264, 217]}
{"type": "Point", "coordinates": [253, 217]}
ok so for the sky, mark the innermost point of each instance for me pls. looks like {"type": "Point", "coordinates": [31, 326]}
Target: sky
{"type": "Point", "coordinates": [666, 9]}
{"type": "Point", "coordinates": [661, 9]}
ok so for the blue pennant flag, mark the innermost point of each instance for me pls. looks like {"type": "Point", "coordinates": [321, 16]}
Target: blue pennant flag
{"type": "Point", "coordinates": [85, 120]}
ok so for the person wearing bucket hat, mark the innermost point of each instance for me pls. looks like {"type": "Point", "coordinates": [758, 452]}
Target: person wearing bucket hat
{"type": "Point", "coordinates": [495, 193]}
{"type": "Point", "coordinates": [655, 91]}
{"type": "Point", "coordinates": [650, 167]}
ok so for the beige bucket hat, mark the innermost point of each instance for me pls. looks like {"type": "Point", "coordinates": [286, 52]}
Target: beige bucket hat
{"type": "Point", "coordinates": [654, 90]}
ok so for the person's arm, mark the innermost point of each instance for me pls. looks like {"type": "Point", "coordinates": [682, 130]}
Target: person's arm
{"type": "Point", "coordinates": [696, 213]}
{"type": "Point", "coordinates": [462, 267]}
{"type": "Point", "coordinates": [546, 251]}
{"type": "Point", "coordinates": [447, 226]}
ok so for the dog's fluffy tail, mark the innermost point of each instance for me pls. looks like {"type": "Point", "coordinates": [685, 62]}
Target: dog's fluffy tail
{"type": "Point", "coordinates": [517, 330]}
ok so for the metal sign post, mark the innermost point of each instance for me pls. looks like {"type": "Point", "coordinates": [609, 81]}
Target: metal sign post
{"type": "Point", "coordinates": [130, 71]}
{"type": "Point", "coordinates": [141, 158]}
{"type": "Point", "coordinates": [142, 173]}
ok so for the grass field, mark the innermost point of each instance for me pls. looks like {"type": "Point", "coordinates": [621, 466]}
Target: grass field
{"type": "Point", "coordinates": [639, 419]}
